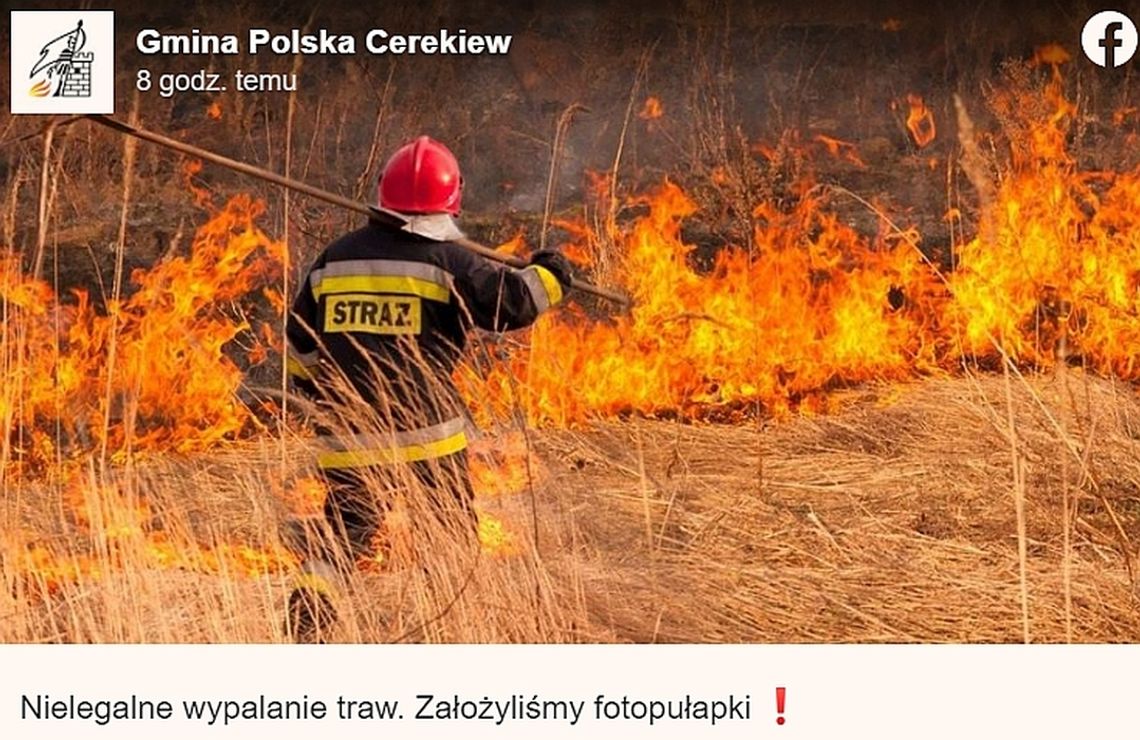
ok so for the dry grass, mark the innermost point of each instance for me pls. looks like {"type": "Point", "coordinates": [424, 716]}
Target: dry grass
{"type": "Point", "coordinates": [893, 520]}
{"type": "Point", "coordinates": [947, 510]}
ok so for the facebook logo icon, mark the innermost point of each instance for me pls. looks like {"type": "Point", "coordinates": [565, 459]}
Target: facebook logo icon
{"type": "Point", "coordinates": [1109, 39]}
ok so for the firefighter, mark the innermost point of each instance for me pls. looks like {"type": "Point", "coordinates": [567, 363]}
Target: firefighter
{"type": "Point", "coordinates": [385, 313]}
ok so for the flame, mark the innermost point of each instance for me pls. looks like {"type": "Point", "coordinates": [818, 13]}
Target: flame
{"type": "Point", "coordinates": [214, 111]}
{"type": "Point", "coordinates": [815, 304]}
{"type": "Point", "coordinates": [504, 465]}
{"type": "Point", "coordinates": [494, 538]}
{"type": "Point", "coordinates": [920, 121]}
{"type": "Point", "coordinates": [801, 315]}
{"type": "Point", "coordinates": [843, 150]}
{"type": "Point", "coordinates": [306, 496]}
{"type": "Point", "coordinates": [42, 570]}
{"type": "Point", "coordinates": [1053, 54]}
{"type": "Point", "coordinates": [515, 246]}
{"type": "Point", "coordinates": [170, 383]}
{"type": "Point", "coordinates": [1123, 113]}
{"type": "Point", "coordinates": [811, 305]}
{"type": "Point", "coordinates": [651, 110]}
{"type": "Point", "coordinates": [191, 168]}
{"type": "Point", "coordinates": [40, 89]}
{"type": "Point", "coordinates": [1061, 272]}
{"type": "Point", "coordinates": [122, 536]}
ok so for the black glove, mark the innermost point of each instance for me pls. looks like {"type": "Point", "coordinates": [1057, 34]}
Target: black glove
{"type": "Point", "coordinates": [558, 265]}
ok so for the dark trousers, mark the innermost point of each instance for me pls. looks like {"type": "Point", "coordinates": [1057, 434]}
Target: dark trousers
{"type": "Point", "coordinates": [355, 508]}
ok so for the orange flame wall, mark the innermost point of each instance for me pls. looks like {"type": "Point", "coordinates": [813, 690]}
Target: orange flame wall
{"type": "Point", "coordinates": [798, 314]}
{"type": "Point", "coordinates": [168, 384]}
{"type": "Point", "coordinates": [816, 304]}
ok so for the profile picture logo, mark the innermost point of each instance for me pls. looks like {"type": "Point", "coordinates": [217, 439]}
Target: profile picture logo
{"type": "Point", "coordinates": [1109, 39]}
{"type": "Point", "coordinates": [62, 61]}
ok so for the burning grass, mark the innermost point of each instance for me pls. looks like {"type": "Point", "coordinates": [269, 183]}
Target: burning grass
{"type": "Point", "coordinates": [930, 502]}
{"type": "Point", "coordinates": [147, 373]}
{"type": "Point", "coordinates": [1053, 276]}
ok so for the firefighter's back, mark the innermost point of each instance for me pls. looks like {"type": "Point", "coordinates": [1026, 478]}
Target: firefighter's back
{"type": "Point", "coordinates": [386, 317]}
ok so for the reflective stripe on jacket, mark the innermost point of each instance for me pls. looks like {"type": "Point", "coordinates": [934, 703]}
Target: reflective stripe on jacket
{"type": "Point", "coordinates": [382, 302]}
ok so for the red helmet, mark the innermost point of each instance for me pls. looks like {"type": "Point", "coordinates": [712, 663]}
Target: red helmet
{"type": "Point", "coordinates": [422, 177]}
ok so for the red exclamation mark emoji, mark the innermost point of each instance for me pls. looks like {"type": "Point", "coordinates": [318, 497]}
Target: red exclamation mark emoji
{"type": "Point", "coordinates": [781, 693]}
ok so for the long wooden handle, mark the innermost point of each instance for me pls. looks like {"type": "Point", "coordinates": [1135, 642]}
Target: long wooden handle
{"type": "Point", "coordinates": [384, 215]}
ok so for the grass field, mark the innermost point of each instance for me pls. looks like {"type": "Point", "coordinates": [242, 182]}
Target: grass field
{"type": "Point", "coordinates": [897, 519]}
{"type": "Point", "coordinates": [879, 382]}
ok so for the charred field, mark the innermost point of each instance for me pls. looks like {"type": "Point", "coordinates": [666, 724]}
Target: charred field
{"type": "Point", "coordinates": [880, 383]}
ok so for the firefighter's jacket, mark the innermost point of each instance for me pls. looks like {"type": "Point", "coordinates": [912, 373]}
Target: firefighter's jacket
{"type": "Point", "coordinates": [388, 312]}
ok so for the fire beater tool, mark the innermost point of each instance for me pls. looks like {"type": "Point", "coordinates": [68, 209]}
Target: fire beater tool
{"type": "Point", "coordinates": [383, 215]}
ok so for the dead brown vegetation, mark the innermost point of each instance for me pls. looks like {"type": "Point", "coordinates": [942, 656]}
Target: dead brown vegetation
{"type": "Point", "coordinates": [891, 521]}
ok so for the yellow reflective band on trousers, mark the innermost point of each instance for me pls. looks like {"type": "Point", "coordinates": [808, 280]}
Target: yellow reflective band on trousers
{"type": "Point", "coordinates": [302, 365]}
{"type": "Point", "coordinates": [297, 370]}
{"type": "Point", "coordinates": [365, 450]}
